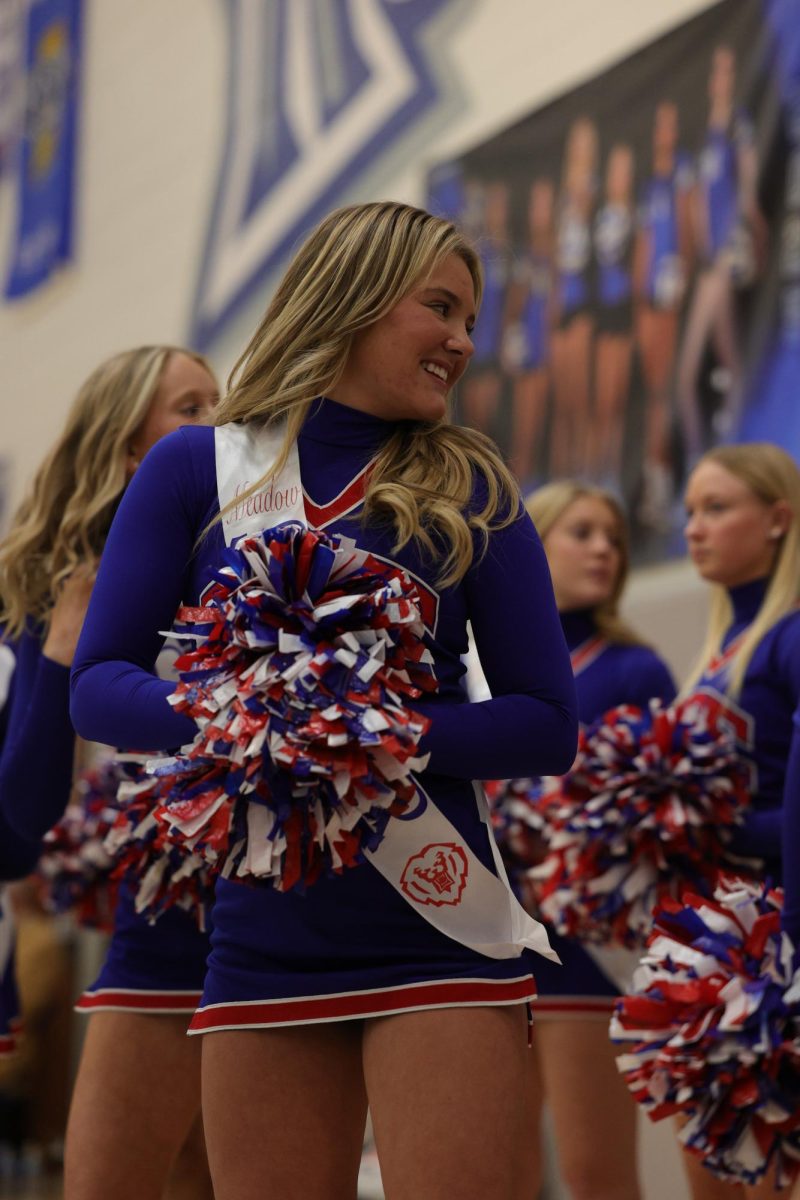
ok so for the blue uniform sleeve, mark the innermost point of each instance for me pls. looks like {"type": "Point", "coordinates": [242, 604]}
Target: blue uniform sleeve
{"type": "Point", "coordinates": [530, 726]}
{"type": "Point", "coordinates": [763, 830]}
{"type": "Point", "coordinates": [790, 837]}
{"type": "Point", "coordinates": [18, 854]}
{"type": "Point", "coordinates": [116, 697]}
{"type": "Point", "coordinates": [787, 832]}
{"type": "Point", "coordinates": [36, 766]}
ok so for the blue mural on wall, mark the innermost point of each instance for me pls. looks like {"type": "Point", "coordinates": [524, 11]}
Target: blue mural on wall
{"type": "Point", "coordinates": [319, 89]}
{"type": "Point", "coordinates": [46, 169]}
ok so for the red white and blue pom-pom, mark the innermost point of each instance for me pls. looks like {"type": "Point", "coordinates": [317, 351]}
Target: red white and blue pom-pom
{"type": "Point", "coordinates": [519, 830]}
{"type": "Point", "coordinates": [165, 873]}
{"type": "Point", "coordinates": [712, 1029]}
{"type": "Point", "coordinates": [307, 652]}
{"type": "Point", "coordinates": [75, 868]}
{"type": "Point", "coordinates": [648, 805]}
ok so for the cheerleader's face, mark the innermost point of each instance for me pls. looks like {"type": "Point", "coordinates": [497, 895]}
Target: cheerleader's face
{"type": "Point", "coordinates": [403, 367]}
{"type": "Point", "coordinates": [731, 533]}
{"type": "Point", "coordinates": [584, 552]}
{"type": "Point", "coordinates": [186, 395]}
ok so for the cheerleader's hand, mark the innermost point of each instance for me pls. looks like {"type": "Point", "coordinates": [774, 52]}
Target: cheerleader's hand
{"type": "Point", "coordinates": [69, 611]}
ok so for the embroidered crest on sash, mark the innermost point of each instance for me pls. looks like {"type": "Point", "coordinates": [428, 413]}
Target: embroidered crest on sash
{"type": "Point", "coordinates": [437, 875]}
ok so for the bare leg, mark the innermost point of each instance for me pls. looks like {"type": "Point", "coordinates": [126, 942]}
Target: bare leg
{"type": "Point", "coordinates": [724, 338]}
{"type": "Point", "coordinates": [480, 396]}
{"type": "Point", "coordinates": [284, 1112]}
{"type": "Point", "coordinates": [658, 334]}
{"type": "Point", "coordinates": [593, 1113]}
{"type": "Point", "coordinates": [530, 394]}
{"type": "Point", "coordinates": [605, 386]}
{"type": "Point", "coordinates": [190, 1178]}
{"type": "Point", "coordinates": [535, 1101]}
{"type": "Point", "coordinates": [447, 1092]}
{"type": "Point", "coordinates": [708, 294]}
{"type": "Point", "coordinates": [612, 378]}
{"type": "Point", "coordinates": [571, 389]}
{"type": "Point", "coordinates": [562, 413]}
{"type": "Point", "coordinates": [579, 383]}
{"type": "Point", "coordinates": [136, 1097]}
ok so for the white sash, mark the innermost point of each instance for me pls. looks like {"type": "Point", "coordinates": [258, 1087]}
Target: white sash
{"type": "Point", "coordinates": [6, 931]}
{"type": "Point", "coordinates": [7, 664]}
{"type": "Point", "coordinates": [243, 454]}
{"type": "Point", "coordinates": [422, 855]}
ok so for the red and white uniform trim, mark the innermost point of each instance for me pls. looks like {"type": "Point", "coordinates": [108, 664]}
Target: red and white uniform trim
{"type": "Point", "coordinates": [580, 1008]}
{"type": "Point", "coordinates": [372, 1002]}
{"type": "Point", "coordinates": [137, 1000]}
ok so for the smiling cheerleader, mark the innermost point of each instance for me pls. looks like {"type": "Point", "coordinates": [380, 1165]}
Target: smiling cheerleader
{"type": "Point", "coordinates": [400, 981]}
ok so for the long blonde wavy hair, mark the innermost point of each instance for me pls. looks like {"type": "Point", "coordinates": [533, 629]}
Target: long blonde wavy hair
{"type": "Point", "coordinates": [353, 269]}
{"type": "Point", "coordinates": [771, 475]}
{"type": "Point", "coordinates": [65, 517]}
{"type": "Point", "coordinates": [547, 504]}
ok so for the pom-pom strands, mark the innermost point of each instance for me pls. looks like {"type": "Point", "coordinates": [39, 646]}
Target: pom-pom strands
{"type": "Point", "coordinates": [712, 1026]}
{"type": "Point", "coordinates": [75, 866]}
{"type": "Point", "coordinates": [519, 831]}
{"type": "Point", "coordinates": [307, 650]}
{"type": "Point", "coordinates": [166, 874]}
{"type": "Point", "coordinates": [648, 804]}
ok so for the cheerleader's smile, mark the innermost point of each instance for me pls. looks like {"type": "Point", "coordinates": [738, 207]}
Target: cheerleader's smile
{"type": "Point", "coordinates": [404, 366]}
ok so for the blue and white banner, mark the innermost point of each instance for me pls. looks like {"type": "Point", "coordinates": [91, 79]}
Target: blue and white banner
{"type": "Point", "coordinates": [46, 161]}
{"type": "Point", "coordinates": [319, 90]}
{"type": "Point", "coordinates": [11, 80]}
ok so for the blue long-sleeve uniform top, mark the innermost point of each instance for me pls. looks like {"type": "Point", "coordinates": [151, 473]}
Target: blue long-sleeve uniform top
{"type": "Point", "coordinates": [621, 674]}
{"type": "Point", "coordinates": [155, 558]}
{"type": "Point", "coordinates": [36, 765]}
{"type": "Point", "coordinates": [764, 712]}
{"type": "Point", "coordinates": [19, 849]}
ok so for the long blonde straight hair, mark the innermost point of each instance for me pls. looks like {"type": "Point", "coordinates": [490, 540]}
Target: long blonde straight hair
{"type": "Point", "coordinates": [771, 475]}
{"type": "Point", "coordinates": [65, 517]}
{"type": "Point", "coordinates": [353, 269]}
{"type": "Point", "coordinates": [547, 504]}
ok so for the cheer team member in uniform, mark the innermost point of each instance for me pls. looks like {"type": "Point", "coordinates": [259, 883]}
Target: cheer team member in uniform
{"type": "Point", "coordinates": [526, 342]}
{"type": "Point", "coordinates": [481, 392]}
{"type": "Point", "coordinates": [662, 263]}
{"type": "Point", "coordinates": [743, 533]}
{"type": "Point", "coordinates": [375, 315]}
{"type": "Point", "coordinates": [585, 538]}
{"type": "Point", "coordinates": [137, 1093]}
{"type": "Point", "coordinates": [730, 233]}
{"type": "Point", "coordinates": [572, 334]}
{"type": "Point", "coordinates": [18, 857]}
{"type": "Point", "coordinates": [613, 252]}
